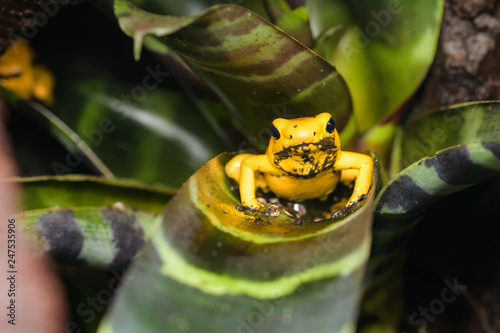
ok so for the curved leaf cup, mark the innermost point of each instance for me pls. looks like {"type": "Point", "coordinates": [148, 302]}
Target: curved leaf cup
{"type": "Point", "coordinates": [221, 270]}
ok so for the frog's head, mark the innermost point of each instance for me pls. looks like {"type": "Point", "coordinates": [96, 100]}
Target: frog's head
{"type": "Point", "coordinates": [304, 147]}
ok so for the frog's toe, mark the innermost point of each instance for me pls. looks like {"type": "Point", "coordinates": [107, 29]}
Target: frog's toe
{"type": "Point", "coordinates": [341, 212]}
{"type": "Point", "coordinates": [355, 200]}
{"type": "Point", "coordinates": [252, 205]}
{"type": "Point", "coordinates": [348, 208]}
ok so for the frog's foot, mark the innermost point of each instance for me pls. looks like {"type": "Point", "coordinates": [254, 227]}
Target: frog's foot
{"type": "Point", "coordinates": [251, 205]}
{"type": "Point", "coordinates": [351, 205]}
{"type": "Point", "coordinates": [271, 213]}
{"type": "Point", "coordinates": [262, 212]}
{"type": "Point", "coordinates": [261, 209]}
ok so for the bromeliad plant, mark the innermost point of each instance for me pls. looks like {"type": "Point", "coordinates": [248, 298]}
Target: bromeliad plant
{"type": "Point", "coordinates": [205, 266]}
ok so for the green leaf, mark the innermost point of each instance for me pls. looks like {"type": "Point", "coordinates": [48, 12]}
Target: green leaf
{"type": "Point", "coordinates": [79, 218]}
{"type": "Point", "coordinates": [82, 190]}
{"type": "Point", "coordinates": [192, 7]}
{"type": "Point", "coordinates": [257, 70]}
{"type": "Point", "coordinates": [382, 48]}
{"type": "Point", "coordinates": [217, 269]}
{"type": "Point", "coordinates": [102, 237]}
{"type": "Point", "coordinates": [140, 132]}
{"type": "Point", "coordinates": [380, 139]}
{"type": "Point", "coordinates": [444, 151]}
{"type": "Point", "coordinates": [295, 21]}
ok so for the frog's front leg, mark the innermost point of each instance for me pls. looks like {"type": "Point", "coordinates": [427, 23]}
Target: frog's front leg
{"type": "Point", "coordinates": [242, 168]}
{"type": "Point", "coordinates": [233, 167]}
{"type": "Point", "coordinates": [364, 164]}
{"type": "Point", "coordinates": [249, 166]}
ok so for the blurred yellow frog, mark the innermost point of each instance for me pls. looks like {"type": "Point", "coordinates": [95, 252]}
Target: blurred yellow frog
{"type": "Point", "coordinates": [18, 74]}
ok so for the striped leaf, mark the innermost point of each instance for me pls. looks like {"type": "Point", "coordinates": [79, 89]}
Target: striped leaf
{"type": "Point", "coordinates": [257, 70]}
{"type": "Point", "coordinates": [211, 268]}
{"type": "Point", "coordinates": [80, 218]}
{"type": "Point", "coordinates": [292, 18]}
{"type": "Point", "coordinates": [382, 48]}
{"type": "Point", "coordinates": [83, 190]}
{"type": "Point", "coordinates": [443, 152]}
{"type": "Point", "coordinates": [193, 7]}
{"type": "Point", "coordinates": [103, 237]}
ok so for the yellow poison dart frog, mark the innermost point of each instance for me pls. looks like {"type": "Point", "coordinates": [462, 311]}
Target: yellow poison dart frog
{"type": "Point", "coordinates": [18, 74]}
{"type": "Point", "coordinates": [303, 161]}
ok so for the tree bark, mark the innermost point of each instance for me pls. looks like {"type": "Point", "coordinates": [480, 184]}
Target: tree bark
{"type": "Point", "coordinates": [467, 66]}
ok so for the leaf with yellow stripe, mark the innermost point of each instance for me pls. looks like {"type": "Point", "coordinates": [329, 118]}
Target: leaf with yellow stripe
{"type": "Point", "coordinates": [211, 268]}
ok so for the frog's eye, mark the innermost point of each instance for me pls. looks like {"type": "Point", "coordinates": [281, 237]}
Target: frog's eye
{"type": "Point", "coordinates": [274, 132]}
{"type": "Point", "coordinates": [330, 126]}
